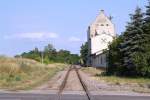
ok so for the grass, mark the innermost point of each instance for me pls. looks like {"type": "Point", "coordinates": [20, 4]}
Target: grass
{"type": "Point", "coordinates": [92, 71]}
{"type": "Point", "coordinates": [114, 79]}
{"type": "Point", "coordinates": [98, 74]}
{"type": "Point", "coordinates": [125, 80]}
{"type": "Point", "coordinates": [21, 74]}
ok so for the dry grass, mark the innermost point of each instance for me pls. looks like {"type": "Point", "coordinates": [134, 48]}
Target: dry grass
{"type": "Point", "coordinates": [24, 73]}
{"type": "Point", "coordinates": [92, 71]}
{"type": "Point", "coordinates": [141, 84]}
{"type": "Point", "coordinates": [114, 79]}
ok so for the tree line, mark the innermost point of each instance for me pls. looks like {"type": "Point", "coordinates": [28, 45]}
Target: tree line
{"type": "Point", "coordinates": [129, 54]}
{"type": "Point", "coordinates": [51, 55]}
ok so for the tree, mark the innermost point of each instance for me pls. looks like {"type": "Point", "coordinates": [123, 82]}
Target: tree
{"type": "Point", "coordinates": [131, 55]}
{"type": "Point", "coordinates": [33, 54]}
{"type": "Point", "coordinates": [114, 56]}
{"type": "Point", "coordinates": [36, 50]}
{"type": "Point", "coordinates": [73, 59]}
{"type": "Point", "coordinates": [49, 53]}
{"type": "Point", "coordinates": [132, 47]}
{"type": "Point", "coordinates": [146, 28]}
{"type": "Point", "coordinates": [63, 56]}
{"type": "Point", "coordinates": [84, 52]}
{"type": "Point", "coordinates": [49, 48]}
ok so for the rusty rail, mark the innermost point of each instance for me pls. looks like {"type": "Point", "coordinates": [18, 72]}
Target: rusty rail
{"type": "Point", "coordinates": [62, 86]}
{"type": "Point", "coordinates": [82, 83]}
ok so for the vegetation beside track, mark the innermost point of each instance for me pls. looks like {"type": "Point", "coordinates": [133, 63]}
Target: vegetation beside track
{"type": "Point", "coordinates": [142, 84]}
{"type": "Point", "coordinates": [23, 74]}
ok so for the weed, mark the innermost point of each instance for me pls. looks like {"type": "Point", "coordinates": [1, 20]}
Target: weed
{"type": "Point", "coordinates": [22, 73]}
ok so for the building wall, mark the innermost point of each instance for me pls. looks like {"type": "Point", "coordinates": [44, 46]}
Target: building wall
{"type": "Point", "coordinates": [97, 43]}
{"type": "Point", "coordinates": [99, 61]}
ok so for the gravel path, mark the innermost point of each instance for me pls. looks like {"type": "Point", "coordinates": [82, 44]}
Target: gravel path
{"type": "Point", "coordinates": [73, 83]}
{"type": "Point", "coordinates": [101, 87]}
{"type": "Point", "coordinates": [54, 83]}
{"type": "Point", "coordinates": [94, 86]}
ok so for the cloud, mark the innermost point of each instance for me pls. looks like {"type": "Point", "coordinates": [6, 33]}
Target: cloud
{"type": "Point", "coordinates": [34, 35]}
{"type": "Point", "coordinates": [74, 39]}
{"type": "Point", "coordinates": [52, 35]}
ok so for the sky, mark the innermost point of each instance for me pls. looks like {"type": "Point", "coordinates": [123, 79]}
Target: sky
{"type": "Point", "coordinates": [26, 24]}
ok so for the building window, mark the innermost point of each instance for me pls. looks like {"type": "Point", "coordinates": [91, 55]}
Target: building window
{"type": "Point", "coordinates": [104, 59]}
{"type": "Point", "coordinates": [102, 24]}
{"type": "Point", "coordinates": [101, 60]}
{"type": "Point", "coordinates": [107, 24]}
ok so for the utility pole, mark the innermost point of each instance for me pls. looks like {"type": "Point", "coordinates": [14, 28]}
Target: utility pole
{"type": "Point", "coordinates": [42, 56]}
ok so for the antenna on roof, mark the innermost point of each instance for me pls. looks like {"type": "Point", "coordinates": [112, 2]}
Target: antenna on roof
{"type": "Point", "coordinates": [110, 17]}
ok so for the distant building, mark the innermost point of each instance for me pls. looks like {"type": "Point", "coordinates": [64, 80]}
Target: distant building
{"type": "Point", "coordinates": [100, 33]}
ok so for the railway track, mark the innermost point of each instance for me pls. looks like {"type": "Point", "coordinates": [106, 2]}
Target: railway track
{"type": "Point", "coordinates": [64, 82]}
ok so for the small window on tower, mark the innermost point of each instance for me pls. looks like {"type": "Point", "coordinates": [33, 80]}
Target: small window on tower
{"type": "Point", "coordinates": [102, 24]}
{"type": "Point", "coordinates": [107, 24]}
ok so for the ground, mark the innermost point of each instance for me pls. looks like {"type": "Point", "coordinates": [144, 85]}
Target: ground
{"type": "Point", "coordinates": [96, 84]}
{"type": "Point", "coordinates": [120, 84]}
{"type": "Point", "coordinates": [73, 84]}
{"type": "Point", "coordinates": [99, 89]}
{"type": "Point", "coordinates": [24, 74]}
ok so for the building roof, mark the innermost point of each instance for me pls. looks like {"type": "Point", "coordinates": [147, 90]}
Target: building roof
{"type": "Point", "coordinates": [101, 18]}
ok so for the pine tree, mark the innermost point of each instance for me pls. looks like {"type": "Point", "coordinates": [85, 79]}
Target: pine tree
{"type": "Point", "coordinates": [132, 46]}
{"type": "Point", "coordinates": [114, 57]}
{"type": "Point", "coordinates": [146, 28]}
{"type": "Point", "coordinates": [84, 52]}
{"type": "Point", "coordinates": [147, 19]}
{"type": "Point", "coordinates": [147, 22]}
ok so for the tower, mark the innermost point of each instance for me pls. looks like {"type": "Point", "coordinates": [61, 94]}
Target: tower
{"type": "Point", "coordinates": [100, 33]}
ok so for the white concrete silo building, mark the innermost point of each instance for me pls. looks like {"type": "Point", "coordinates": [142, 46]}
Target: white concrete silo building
{"type": "Point", "coordinates": [100, 33]}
